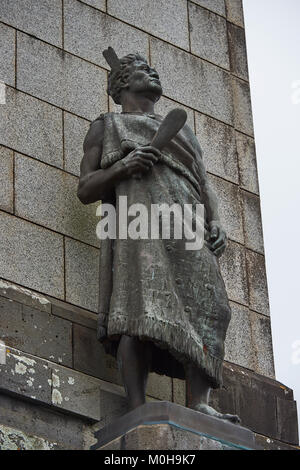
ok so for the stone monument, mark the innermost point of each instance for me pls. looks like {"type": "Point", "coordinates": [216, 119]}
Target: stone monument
{"type": "Point", "coordinates": [58, 386]}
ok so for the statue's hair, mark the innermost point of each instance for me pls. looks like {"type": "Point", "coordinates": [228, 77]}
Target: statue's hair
{"type": "Point", "coordinates": [118, 80]}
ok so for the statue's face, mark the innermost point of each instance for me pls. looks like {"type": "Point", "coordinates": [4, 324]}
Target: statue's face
{"type": "Point", "coordinates": [144, 78]}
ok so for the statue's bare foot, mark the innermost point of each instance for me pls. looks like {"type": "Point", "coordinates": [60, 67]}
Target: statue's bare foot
{"type": "Point", "coordinates": [208, 410]}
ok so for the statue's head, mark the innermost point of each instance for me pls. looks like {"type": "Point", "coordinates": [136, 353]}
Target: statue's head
{"type": "Point", "coordinates": [136, 76]}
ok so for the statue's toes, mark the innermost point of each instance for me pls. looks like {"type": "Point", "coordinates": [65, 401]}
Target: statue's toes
{"type": "Point", "coordinates": [232, 418]}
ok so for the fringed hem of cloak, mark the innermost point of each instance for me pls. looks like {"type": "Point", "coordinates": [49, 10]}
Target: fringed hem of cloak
{"type": "Point", "coordinates": [185, 350]}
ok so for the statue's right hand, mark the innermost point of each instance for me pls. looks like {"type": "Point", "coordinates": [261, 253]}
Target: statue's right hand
{"type": "Point", "coordinates": [140, 160]}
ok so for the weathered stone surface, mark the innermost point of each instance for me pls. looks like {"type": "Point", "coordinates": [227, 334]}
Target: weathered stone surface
{"type": "Point", "coordinates": [29, 126]}
{"type": "Point", "coordinates": [252, 222]}
{"type": "Point", "coordinates": [24, 296]}
{"type": "Point", "coordinates": [208, 36]}
{"type": "Point", "coordinates": [179, 392]}
{"type": "Point", "coordinates": [42, 19]}
{"type": "Point", "coordinates": [247, 162]}
{"type": "Point", "coordinates": [66, 430]}
{"type": "Point", "coordinates": [153, 15]}
{"type": "Point", "coordinates": [81, 23]}
{"type": "Point", "coordinates": [233, 268]}
{"type": "Point", "coordinates": [73, 313]}
{"type": "Point", "coordinates": [219, 147]}
{"type": "Point", "coordinates": [100, 4]}
{"type": "Point", "coordinates": [76, 392]}
{"type": "Point", "coordinates": [164, 437]}
{"type": "Point", "coordinates": [7, 179]}
{"type": "Point", "coordinates": [159, 386]}
{"type": "Point", "coordinates": [82, 291]}
{"type": "Point", "coordinates": [218, 6]}
{"type": "Point", "coordinates": [266, 443]}
{"type": "Point", "coordinates": [75, 85]}
{"type": "Point", "coordinates": [75, 130]}
{"type": "Point", "coordinates": [262, 342]}
{"type": "Point", "coordinates": [90, 357]}
{"type": "Point", "coordinates": [164, 105]}
{"type": "Point", "coordinates": [242, 107]}
{"type": "Point", "coordinates": [14, 439]}
{"type": "Point", "coordinates": [47, 196]}
{"type": "Point", "coordinates": [31, 256]}
{"type": "Point", "coordinates": [192, 81]}
{"type": "Point", "coordinates": [25, 375]}
{"type": "Point", "coordinates": [287, 425]}
{"type": "Point", "coordinates": [258, 289]}
{"type": "Point", "coordinates": [238, 51]}
{"type": "Point", "coordinates": [239, 348]}
{"type": "Point", "coordinates": [230, 208]}
{"type": "Point", "coordinates": [7, 55]}
{"type": "Point", "coordinates": [234, 9]}
{"type": "Point", "coordinates": [35, 332]}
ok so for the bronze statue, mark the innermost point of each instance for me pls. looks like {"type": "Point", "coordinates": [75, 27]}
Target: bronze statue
{"type": "Point", "coordinates": [162, 308]}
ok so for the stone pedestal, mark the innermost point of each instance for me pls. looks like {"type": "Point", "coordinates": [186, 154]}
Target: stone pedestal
{"type": "Point", "coordinates": [167, 426]}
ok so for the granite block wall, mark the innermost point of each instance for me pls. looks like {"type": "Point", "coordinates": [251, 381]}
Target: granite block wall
{"type": "Point", "coordinates": [55, 84]}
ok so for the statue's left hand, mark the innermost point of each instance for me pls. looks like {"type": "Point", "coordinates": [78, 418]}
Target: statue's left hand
{"type": "Point", "coordinates": [218, 238]}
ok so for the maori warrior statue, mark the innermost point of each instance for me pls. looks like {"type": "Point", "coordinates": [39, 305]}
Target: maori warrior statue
{"type": "Point", "coordinates": [163, 308]}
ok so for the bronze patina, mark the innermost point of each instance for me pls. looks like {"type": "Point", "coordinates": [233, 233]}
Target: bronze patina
{"type": "Point", "coordinates": [162, 308]}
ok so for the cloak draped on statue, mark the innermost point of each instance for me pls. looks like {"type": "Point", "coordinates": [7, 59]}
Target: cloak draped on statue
{"type": "Point", "coordinates": [156, 289]}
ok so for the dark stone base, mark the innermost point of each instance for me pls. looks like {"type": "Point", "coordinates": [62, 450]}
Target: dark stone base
{"type": "Point", "coordinates": [167, 426]}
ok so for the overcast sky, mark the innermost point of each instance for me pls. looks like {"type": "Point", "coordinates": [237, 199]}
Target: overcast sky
{"type": "Point", "coordinates": [273, 42]}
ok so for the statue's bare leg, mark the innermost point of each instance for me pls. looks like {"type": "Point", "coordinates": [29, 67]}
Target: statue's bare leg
{"type": "Point", "coordinates": [134, 361]}
{"type": "Point", "coordinates": [197, 394]}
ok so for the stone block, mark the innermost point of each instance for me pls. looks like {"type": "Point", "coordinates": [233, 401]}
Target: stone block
{"type": "Point", "coordinates": [7, 179]}
{"type": "Point", "coordinates": [238, 51]}
{"type": "Point", "coordinates": [247, 162]}
{"type": "Point", "coordinates": [31, 256]}
{"type": "Point", "coordinates": [234, 9]}
{"type": "Point", "coordinates": [35, 332]}
{"type": "Point", "coordinates": [30, 126]}
{"type": "Point", "coordinates": [65, 430]}
{"type": "Point", "coordinates": [252, 222]}
{"type": "Point", "coordinates": [76, 393]}
{"type": "Point", "coordinates": [217, 6]}
{"type": "Point", "coordinates": [166, 20]}
{"type": "Point", "coordinates": [208, 36]}
{"type": "Point", "coordinates": [262, 342]}
{"type": "Point", "coordinates": [75, 130]}
{"type": "Point", "coordinates": [47, 196]}
{"type": "Point", "coordinates": [159, 386]}
{"type": "Point", "coordinates": [42, 19]}
{"type": "Point", "coordinates": [88, 32]}
{"type": "Point", "coordinates": [24, 375]}
{"type": "Point", "coordinates": [90, 357]}
{"type": "Point", "coordinates": [242, 107]}
{"type": "Point", "coordinates": [239, 348]}
{"type": "Point", "coordinates": [60, 78]}
{"type": "Point", "coordinates": [154, 427]}
{"type": "Point", "coordinates": [192, 81]}
{"type": "Point", "coordinates": [233, 269]}
{"type": "Point", "coordinates": [73, 313]}
{"type": "Point", "coordinates": [258, 289]}
{"type": "Point", "coordinates": [287, 422]}
{"type": "Point", "coordinates": [164, 105]}
{"type": "Point", "coordinates": [82, 290]}
{"type": "Point", "coordinates": [230, 207]}
{"type": "Point", "coordinates": [24, 296]}
{"type": "Point", "coordinates": [219, 147]}
{"type": "Point", "coordinates": [99, 4]}
{"type": "Point", "coordinates": [7, 55]}
{"type": "Point", "coordinates": [179, 392]}
{"type": "Point", "coordinates": [14, 439]}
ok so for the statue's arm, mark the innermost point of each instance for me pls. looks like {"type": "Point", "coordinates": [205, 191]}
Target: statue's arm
{"type": "Point", "coordinates": [95, 183]}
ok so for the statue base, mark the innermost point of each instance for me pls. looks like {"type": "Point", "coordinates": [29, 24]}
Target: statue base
{"type": "Point", "coordinates": [167, 426]}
